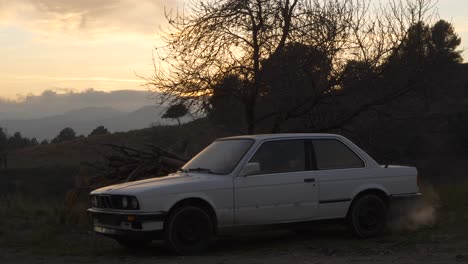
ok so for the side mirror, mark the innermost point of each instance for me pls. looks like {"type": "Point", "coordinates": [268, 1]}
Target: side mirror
{"type": "Point", "coordinates": [250, 168]}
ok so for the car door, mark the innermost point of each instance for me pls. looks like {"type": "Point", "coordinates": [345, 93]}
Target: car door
{"type": "Point", "coordinates": [339, 171]}
{"type": "Point", "coordinates": [282, 188]}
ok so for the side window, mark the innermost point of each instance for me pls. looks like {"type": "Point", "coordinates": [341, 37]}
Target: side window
{"type": "Point", "coordinates": [280, 156]}
{"type": "Point", "coordinates": [333, 154]}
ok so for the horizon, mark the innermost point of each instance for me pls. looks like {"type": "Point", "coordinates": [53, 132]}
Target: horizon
{"type": "Point", "coordinates": [43, 116]}
{"type": "Point", "coordinates": [73, 46]}
{"type": "Point", "coordinates": [50, 103]}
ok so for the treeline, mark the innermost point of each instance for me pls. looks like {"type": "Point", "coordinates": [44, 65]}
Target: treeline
{"type": "Point", "coordinates": [391, 76]}
{"type": "Point", "coordinates": [17, 141]}
{"type": "Point", "coordinates": [411, 108]}
{"type": "Point", "coordinates": [300, 93]}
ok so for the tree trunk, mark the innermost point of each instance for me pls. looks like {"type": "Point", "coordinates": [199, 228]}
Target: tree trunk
{"type": "Point", "coordinates": [250, 117]}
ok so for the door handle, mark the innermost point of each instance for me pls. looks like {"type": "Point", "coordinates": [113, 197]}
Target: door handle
{"type": "Point", "coordinates": [309, 180]}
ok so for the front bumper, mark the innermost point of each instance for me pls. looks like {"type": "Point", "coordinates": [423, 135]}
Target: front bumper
{"type": "Point", "coordinates": [121, 223]}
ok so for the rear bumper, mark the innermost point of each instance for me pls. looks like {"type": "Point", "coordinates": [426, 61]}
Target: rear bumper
{"type": "Point", "coordinates": [406, 197]}
{"type": "Point", "coordinates": [126, 224]}
{"type": "Point", "coordinates": [403, 204]}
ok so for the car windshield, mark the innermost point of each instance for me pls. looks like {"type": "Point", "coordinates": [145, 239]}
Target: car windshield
{"type": "Point", "coordinates": [220, 157]}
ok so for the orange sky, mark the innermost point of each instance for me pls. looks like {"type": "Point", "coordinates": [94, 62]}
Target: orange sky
{"type": "Point", "coordinates": [100, 44]}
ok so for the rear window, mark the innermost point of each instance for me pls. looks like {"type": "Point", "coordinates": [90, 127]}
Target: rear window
{"type": "Point", "coordinates": [333, 154]}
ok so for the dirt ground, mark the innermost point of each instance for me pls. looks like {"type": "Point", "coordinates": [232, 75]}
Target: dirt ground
{"type": "Point", "coordinates": [279, 246]}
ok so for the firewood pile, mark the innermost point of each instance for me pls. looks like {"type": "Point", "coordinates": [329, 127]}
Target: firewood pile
{"type": "Point", "coordinates": [125, 164]}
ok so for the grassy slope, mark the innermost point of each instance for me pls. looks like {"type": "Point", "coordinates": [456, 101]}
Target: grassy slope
{"type": "Point", "coordinates": [193, 135]}
{"type": "Point", "coordinates": [50, 170]}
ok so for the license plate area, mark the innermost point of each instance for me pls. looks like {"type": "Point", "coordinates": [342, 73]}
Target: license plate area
{"type": "Point", "coordinates": [105, 230]}
{"type": "Point", "coordinates": [107, 219]}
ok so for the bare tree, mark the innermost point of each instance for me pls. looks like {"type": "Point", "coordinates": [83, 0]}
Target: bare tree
{"type": "Point", "coordinates": [213, 39]}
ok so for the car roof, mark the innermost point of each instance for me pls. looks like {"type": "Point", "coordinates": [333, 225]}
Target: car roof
{"type": "Point", "coordinates": [284, 135]}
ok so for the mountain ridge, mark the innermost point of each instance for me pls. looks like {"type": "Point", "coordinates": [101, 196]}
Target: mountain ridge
{"type": "Point", "coordinates": [84, 120]}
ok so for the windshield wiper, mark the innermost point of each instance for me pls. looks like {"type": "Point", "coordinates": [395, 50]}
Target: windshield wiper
{"type": "Point", "coordinates": [206, 170]}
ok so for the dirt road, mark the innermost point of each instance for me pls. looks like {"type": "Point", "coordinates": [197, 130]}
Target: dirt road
{"type": "Point", "coordinates": [327, 246]}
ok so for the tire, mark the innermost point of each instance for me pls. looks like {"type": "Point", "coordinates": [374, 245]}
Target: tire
{"type": "Point", "coordinates": [188, 230]}
{"type": "Point", "coordinates": [368, 216]}
{"type": "Point", "coordinates": [133, 243]}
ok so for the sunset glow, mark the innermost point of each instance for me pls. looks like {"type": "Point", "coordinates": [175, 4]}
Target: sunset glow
{"type": "Point", "coordinates": [105, 44]}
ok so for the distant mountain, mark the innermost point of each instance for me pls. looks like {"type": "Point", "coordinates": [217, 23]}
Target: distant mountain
{"type": "Point", "coordinates": [90, 113]}
{"type": "Point", "coordinates": [84, 120]}
{"type": "Point", "coordinates": [51, 103]}
{"type": "Point", "coordinates": [140, 118]}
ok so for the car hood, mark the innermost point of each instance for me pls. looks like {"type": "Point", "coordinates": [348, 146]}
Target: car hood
{"type": "Point", "coordinates": [160, 183]}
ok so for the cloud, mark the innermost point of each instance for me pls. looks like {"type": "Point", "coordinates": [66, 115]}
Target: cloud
{"type": "Point", "coordinates": [86, 79]}
{"type": "Point", "coordinates": [90, 17]}
{"type": "Point", "coordinates": [59, 101]}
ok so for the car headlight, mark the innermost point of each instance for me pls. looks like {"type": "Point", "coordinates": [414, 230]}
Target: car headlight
{"type": "Point", "coordinates": [134, 203]}
{"type": "Point", "coordinates": [124, 202]}
{"type": "Point", "coordinates": [94, 202]}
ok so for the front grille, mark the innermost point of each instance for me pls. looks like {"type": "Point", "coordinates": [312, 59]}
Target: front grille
{"type": "Point", "coordinates": [104, 201]}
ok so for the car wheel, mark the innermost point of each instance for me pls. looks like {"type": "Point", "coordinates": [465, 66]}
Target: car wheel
{"type": "Point", "coordinates": [188, 230]}
{"type": "Point", "coordinates": [368, 216]}
{"type": "Point", "coordinates": [133, 243]}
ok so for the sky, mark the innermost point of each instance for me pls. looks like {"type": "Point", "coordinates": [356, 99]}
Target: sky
{"type": "Point", "coordinates": [74, 45]}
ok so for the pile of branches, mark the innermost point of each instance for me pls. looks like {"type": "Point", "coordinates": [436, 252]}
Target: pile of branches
{"type": "Point", "coordinates": [124, 164]}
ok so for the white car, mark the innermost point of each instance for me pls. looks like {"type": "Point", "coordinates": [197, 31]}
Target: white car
{"type": "Point", "coordinates": [254, 180]}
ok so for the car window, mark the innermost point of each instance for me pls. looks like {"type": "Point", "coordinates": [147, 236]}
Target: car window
{"type": "Point", "coordinates": [220, 157]}
{"type": "Point", "coordinates": [333, 154]}
{"type": "Point", "coordinates": [280, 156]}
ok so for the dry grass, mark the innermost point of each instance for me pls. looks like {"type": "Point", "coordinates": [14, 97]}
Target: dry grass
{"type": "Point", "coordinates": [453, 209]}
{"type": "Point", "coordinates": [33, 217]}
{"type": "Point", "coordinates": [46, 227]}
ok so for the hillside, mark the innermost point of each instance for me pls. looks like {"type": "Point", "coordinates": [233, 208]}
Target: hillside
{"type": "Point", "coordinates": [84, 120]}
{"type": "Point", "coordinates": [48, 171]}
{"type": "Point", "coordinates": [185, 140]}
